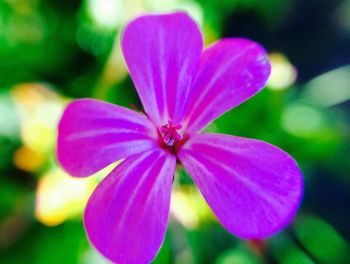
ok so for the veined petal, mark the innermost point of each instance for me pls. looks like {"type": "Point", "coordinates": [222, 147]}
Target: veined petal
{"type": "Point", "coordinates": [254, 188]}
{"type": "Point", "coordinates": [93, 134]}
{"type": "Point", "coordinates": [162, 53]}
{"type": "Point", "coordinates": [231, 71]}
{"type": "Point", "coordinates": [127, 215]}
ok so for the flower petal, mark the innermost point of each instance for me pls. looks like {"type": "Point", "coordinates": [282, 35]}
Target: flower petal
{"type": "Point", "coordinates": [127, 215]}
{"type": "Point", "coordinates": [162, 53]}
{"type": "Point", "coordinates": [93, 134]}
{"type": "Point", "coordinates": [254, 188]}
{"type": "Point", "coordinates": [231, 71]}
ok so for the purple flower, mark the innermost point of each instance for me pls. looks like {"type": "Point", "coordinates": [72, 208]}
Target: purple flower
{"type": "Point", "coordinates": [254, 188]}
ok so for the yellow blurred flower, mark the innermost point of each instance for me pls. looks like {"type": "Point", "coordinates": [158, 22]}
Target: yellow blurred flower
{"type": "Point", "coordinates": [59, 197]}
{"type": "Point", "coordinates": [39, 108]}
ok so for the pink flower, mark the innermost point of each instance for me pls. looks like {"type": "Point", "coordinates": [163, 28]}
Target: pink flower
{"type": "Point", "coordinates": [253, 188]}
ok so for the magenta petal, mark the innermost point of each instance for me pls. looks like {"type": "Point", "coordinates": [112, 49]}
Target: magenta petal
{"type": "Point", "coordinates": [231, 71]}
{"type": "Point", "coordinates": [93, 134]}
{"type": "Point", "coordinates": [127, 215]}
{"type": "Point", "coordinates": [162, 53]}
{"type": "Point", "coordinates": [254, 188]}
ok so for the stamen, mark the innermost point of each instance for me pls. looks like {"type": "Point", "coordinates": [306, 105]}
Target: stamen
{"type": "Point", "coordinates": [171, 133]}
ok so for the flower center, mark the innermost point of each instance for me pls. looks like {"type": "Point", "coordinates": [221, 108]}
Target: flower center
{"type": "Point", "coordinates": [171, 133]}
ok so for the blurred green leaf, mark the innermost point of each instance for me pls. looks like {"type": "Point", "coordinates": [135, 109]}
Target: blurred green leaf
{"type": "Point", "coordinates": [322, 240]}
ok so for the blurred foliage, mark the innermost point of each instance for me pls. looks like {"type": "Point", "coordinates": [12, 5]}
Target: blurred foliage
{"type": "Point", "coordinates": [54, 51]}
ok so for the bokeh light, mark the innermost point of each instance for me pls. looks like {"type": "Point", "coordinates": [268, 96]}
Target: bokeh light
{"type": "Point", "coordinates": [283, 73]}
